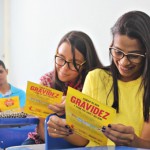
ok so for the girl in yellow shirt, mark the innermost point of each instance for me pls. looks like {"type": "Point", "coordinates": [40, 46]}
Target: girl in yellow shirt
{"type": "Point", "coordinates": [124, 85]}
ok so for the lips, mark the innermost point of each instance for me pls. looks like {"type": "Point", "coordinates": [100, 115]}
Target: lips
{"type": "Point", "coordinates": [125, 69]}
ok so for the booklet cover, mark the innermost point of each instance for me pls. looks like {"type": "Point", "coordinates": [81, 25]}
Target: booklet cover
{"type": "Point", "coordinates": [38, 97]}
{"type": "Point", "coordinates": [9, 103]}
{"type": "Point", "coordinates": [87, 116]}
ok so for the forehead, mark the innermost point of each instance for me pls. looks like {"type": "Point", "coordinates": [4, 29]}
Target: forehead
{"type": "Point", "coordinates": [65, 50]}
{"type": "Point", "coordinates": [2, 70]}
{"type": "Point", "coordinates": [1, 67]}
{"type": "Point", "coordinates": [127, 44]}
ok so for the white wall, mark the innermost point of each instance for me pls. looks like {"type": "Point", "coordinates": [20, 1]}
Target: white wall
{"type": "Point", "coordinates": [36, 27]}
{"type": "Point", "coordinates": [1, 29]}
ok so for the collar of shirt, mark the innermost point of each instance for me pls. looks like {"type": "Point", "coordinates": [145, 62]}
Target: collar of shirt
{"type": "Point", "coordinates": [11, 91]}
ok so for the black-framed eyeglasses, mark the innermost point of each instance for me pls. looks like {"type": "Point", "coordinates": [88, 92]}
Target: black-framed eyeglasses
{"type": "Point", "coordinates": [61, 62]}
{"type": "Point", "coordinates": [132, 57]}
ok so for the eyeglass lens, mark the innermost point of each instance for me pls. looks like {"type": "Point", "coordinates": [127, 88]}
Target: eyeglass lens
{"type": "Point", "coordinates": [136, 58]}
{"type": "Point", "coordinates": [61, 62]}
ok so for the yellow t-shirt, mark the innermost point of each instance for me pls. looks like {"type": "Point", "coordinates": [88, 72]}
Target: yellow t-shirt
{"type": "Point", "coordinates": [98, 84]}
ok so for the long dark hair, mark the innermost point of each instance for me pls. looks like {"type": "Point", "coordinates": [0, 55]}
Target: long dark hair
{"type": "Point", "coordinates": [81, 41]}
{"type": "Point", "coordinates": [134, 24]}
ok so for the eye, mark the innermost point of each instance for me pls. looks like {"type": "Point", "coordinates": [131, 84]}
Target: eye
{"type": "Point", "coordinates": [132, 56]}
{"type": "Point", "coordinates": [1, 71]}
{"type": "Point", "coordinates": [117, 52]}
{"type": "Point", "coordinates": [60, 58]}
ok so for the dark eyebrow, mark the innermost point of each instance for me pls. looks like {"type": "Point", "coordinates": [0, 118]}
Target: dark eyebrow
{"type": "Point", "coordinates": [60, 55]}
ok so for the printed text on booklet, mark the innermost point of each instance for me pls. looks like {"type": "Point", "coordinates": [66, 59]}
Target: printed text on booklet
{"type": "Point", "coordinates": [38, 97]}
{"type": "Point", "coordinates": [87, 116]}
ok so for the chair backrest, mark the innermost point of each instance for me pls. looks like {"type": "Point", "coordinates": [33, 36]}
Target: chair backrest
{"type": "Point", "coordinates": [55, 143]}
{"type": "Point", "coordinates": [14, 135]}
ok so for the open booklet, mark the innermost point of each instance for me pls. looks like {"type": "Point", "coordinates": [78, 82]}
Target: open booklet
{"type": "Point", "coordinates": [87, 116]}
{"type": "Point", "coordinates": [9, 103]}
{"type": "Point", "coordinates": [38, 97]}
{"type": "Point", "coordinates": [10, 108]}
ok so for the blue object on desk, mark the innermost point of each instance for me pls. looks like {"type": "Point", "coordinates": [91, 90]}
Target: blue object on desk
{"type": "Point", "coordinates": [13, 131]}
{"type": "Point", "coordinates": [55, 143]}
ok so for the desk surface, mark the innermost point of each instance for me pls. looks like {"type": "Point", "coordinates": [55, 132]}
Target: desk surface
{"type": "Point", "coordinates": [42, 147]}
{"type": "Point", "coordinates": [28, 147]}
{"type": "Point", "coordinates": [15, 122]}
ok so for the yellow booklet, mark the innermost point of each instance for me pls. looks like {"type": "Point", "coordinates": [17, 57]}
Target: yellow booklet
{"type": "Point", "coordinates": [9, 103]}
{"type": "Point", "coordinates": [87, 116]}
{"type": "Point", "coordinates": [38, 97]}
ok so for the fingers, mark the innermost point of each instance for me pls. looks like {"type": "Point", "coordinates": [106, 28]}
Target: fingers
{"type": "Point", "coordinates": [59, 108]}
{"type": "Point", "coordinates": [121, 128]}
{"type": "Point", "coordinates": [57, 127]}
{"type": "Point", "coordinates": [63, 99]}
{"type": "Point", "coordinates": [119, 134]}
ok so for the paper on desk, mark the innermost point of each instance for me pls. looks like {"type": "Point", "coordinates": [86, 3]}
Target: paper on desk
{"type": "Point", "coordinates": [10, 103]}
{"type": "Point", "coordinates": [38, 97]}
{"type": "Point", "coordinates": [87, 116]}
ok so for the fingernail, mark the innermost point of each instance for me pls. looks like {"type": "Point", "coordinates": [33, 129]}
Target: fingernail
{"type": "Point", "coordinates": [66, 126]}
{"type": "Point", "coordinates": [109, 125]}
{"type": "Point", "coordinates": [70, 131]}
{"type": "Point", "coordinates": [103, 129]}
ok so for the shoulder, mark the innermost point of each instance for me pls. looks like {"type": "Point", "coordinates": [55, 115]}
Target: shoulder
{"type": "Point", "coordinates": [47, 78]}
{"type": "Point", "coordinates": [100, 76]}
{"type": "Point", "coordinates": [16, 90]}
{"type": "Point", "coordinates": [102, 73]}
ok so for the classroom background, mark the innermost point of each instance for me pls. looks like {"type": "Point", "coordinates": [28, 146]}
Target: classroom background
{"type": "Point", "coordinates": [31, 29]}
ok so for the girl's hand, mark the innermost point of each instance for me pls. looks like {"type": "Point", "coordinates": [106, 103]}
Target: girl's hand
{"type": "Point", "coordinates": [57, 127]}
{"type": "Point", "coordinates": [59, 108]}
{"type": "Point", "coordinates": [121, 135]}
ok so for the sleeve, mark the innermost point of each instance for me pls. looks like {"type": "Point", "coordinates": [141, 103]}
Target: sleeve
{"type": "Point", "coordinates": [22, 97]}
{"type": "Point", "coordinates": [46, 79]}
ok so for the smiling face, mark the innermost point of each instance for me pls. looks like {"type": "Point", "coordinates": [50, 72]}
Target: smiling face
{"type": "Point", "coordinates": [64, 73]}
{"type": "Point", "coordinates": [128, 70]}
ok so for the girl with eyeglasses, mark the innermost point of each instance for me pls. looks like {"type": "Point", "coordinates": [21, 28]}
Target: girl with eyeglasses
{"type": "Point", "coordinates": [75, 57]}
{"type": "Point", "coordinates": [124, 85]}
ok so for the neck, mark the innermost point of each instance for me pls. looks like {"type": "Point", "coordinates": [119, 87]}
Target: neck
{"type": "Point", "coordinates": [4, 88]}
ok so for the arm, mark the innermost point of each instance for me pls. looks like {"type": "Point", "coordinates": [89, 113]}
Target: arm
{"type": "Point", "coordinates": [40, 128]}
{"type": "Point", "coordinates": [57, 108]}
{"type": "Point", "coordinates": [145, 135]}
{"type": "Point", "coordinates": [58, 128]}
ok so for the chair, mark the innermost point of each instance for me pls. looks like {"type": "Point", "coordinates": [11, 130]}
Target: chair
{"type": "Point", "coordinates": [13, 131]}
{"type": "Point", "coordinates": [55, 143]}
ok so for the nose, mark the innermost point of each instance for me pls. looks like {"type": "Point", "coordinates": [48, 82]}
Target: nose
{"type": "Point", "coordinates": [65, 66]}
{"type": "Point", "coordinates": [124, 61]}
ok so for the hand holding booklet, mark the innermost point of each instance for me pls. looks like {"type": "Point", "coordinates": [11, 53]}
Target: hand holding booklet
{"type": "Point", "coordinates": [87, 116]}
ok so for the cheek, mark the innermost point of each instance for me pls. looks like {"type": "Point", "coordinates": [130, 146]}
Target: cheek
{"type": "Point", "coordinates": [75, 75]}
{"type": "Point", "coordinates": [139, 67]}
{"type": "Point", "coordinates": [57, 67]}
{"type": "Point", "coordinates": [115, 61]}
